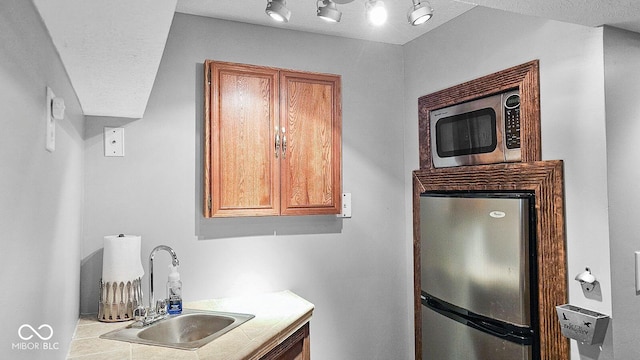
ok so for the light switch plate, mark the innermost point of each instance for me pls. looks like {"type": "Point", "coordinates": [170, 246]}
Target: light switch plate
{"type": "Point", "coordinates": [346, 206]}
{"type": "Point", "coordinates": [113, 141]}
{"type": "Point", "coordinates": [637, 258]}
{"type": "Point", "coordinates": [50, 144]}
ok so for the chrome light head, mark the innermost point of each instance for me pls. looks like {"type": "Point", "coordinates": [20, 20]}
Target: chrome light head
{"type": "Point", "coordinates": [329, 12]}
{"type": "Point", "coordinates": [419, 13]}
{"type": "Point", "coordinates": [277, 10]}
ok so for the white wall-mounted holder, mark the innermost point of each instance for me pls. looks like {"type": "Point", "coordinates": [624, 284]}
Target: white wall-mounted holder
{"type": "Point", "coordinates": [584, 325]}
{"type": "Point", "coordinates": [587, 280]}
{"type": "Point", "coordinates": [54, 111]}
{"type": "Point", "coordinates": [50, 143]}
{"type": "Point", "coordinates": [57, 108]}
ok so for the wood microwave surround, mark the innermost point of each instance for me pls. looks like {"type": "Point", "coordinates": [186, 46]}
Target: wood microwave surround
{"type": "Point", "coordinates": [272, 141]}
{"type": "Point", "coordinates": [545, 179]}
{"type": "Point", "coordinates": [524, 77]}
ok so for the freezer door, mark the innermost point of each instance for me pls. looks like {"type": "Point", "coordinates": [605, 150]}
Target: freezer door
{"type": "Point", "coordinates": [445, 339]}
{"type": "Point", "coordinates": [474, 254]}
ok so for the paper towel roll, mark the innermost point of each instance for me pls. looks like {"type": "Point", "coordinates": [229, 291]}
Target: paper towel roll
{"type": "Point", "coordinates": [121, 258]}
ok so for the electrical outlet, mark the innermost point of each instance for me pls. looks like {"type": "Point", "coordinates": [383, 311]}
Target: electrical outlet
{"type": "Point", "coordinates": [346, 206]}
{"type": "Point", "coordinates": [113, 141]}
{"type": "Point", "coordinates": [50, 144]}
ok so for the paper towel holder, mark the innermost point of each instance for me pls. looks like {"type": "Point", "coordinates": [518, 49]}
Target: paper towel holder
{"type": "Point", "coordinates": [120, 285]}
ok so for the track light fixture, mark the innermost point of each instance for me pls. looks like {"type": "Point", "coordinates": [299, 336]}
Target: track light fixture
{"type": "Point", "coordinates": [376, 12]}
{"type": "Point", "coordinates": [329, 11]}
{"type": "Point", "coordinates": [419, 13]}
{"type": "Point", "coordinates": [278, 11]}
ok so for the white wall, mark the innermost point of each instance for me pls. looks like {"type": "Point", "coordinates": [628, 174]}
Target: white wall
{"type": "Point", "coordinates": [353, 270]}
{"type": "Point", "coordinates": [483, 41]}
{"type": "Point", "coordinates": [621, 59]}
{"type": "Point", "coordinates": [358, 271]}
{"type": "Point", "coordinates": [40, 192]}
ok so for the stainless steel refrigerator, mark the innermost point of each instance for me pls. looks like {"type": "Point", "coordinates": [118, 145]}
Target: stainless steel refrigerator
{"type": "Point", "coordinates": [478, 276]}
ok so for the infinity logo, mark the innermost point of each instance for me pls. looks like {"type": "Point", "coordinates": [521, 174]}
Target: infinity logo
{"type": "Point", "coordinates": [44, 338]}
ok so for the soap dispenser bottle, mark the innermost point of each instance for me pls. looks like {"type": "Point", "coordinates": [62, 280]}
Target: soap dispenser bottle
{"type": "Point", "coordinates": [174, 291]}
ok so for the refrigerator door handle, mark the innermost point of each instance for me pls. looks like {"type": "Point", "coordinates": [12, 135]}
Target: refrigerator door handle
{"type": "Point", "coordinates": [521, 338]}
{"type": "Point", "coordinates": [490, 328]}
{"type": "Point", "coordinates": [510, 332]}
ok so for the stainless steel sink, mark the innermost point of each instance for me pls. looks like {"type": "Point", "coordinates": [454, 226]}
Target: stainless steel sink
{"type": "Point", "coordinates": [190, 330]}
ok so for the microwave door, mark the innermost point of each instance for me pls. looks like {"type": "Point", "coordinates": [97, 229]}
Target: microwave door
{"type": "Point", "coordinates": [468, 133]}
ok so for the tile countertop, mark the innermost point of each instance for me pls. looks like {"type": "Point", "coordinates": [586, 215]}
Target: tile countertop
{"type": "Point", "coordinates": [278, 315]}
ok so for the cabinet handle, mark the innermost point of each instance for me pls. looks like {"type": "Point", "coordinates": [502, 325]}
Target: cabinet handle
{"type": "Point", "coordinates": [277, 141]}
{"type": "Point", "coordinates": [284, 144]}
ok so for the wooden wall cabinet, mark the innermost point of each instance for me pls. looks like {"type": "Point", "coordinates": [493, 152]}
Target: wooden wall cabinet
{"type": "Point", "coordinates": [272, 141]}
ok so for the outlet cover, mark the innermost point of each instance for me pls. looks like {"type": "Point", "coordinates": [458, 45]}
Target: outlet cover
{"type": "Point", "coordinates": [113, 141]}
{"type": "Point", "coordinates": [346, 206]}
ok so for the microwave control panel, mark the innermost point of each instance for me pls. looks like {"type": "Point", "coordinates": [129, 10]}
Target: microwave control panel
{"type": "Point", "coordinates": [512, 121]}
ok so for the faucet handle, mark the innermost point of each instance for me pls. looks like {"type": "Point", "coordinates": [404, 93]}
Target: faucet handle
{"type": "Point", "coordinates": [140, 313]}
{"type": "Point", "coordinates": [161, 307]}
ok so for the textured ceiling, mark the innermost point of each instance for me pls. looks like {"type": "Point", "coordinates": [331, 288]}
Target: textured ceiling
{"type": "Point", "coordinates": [353, 24]}
{"type": "Point", "coordinates": [112, 49]}
{"type": "Point", "coordinates": [624, 14]}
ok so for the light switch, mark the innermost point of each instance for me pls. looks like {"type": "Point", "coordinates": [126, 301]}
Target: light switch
{"type": "Point", "coordinates": [113, 141]}
{"type": "Point", "coordinates": [346, 206]}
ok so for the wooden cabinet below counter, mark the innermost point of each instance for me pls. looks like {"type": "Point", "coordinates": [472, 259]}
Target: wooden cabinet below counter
{"type": "Point", "coordinates": [295, 347]}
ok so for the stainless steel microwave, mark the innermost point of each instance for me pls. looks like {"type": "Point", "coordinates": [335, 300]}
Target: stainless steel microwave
{"type": "Point", "coordinates": [481, 131]}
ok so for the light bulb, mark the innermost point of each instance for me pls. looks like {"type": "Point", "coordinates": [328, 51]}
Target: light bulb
{"type": "Point", "coordinates": [277, 17]}
{"type": "Point", "coordinates": [376, 12]}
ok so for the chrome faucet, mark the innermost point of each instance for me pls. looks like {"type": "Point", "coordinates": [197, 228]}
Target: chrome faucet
{"type": "Point", "coordinates": [174, 262]}
{"type": "Point", "coordinates": [148, 316]}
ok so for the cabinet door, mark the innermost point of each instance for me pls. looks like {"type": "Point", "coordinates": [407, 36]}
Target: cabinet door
{"type": "Point", "coordinates": [310, 126]}
{"type": "Point", "coordinates": [243, 122]}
